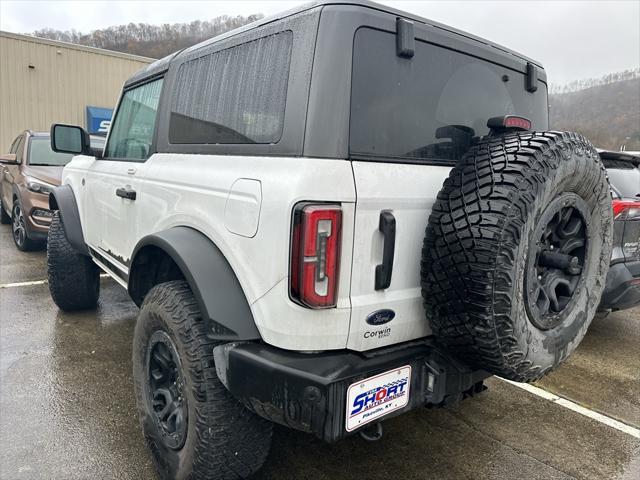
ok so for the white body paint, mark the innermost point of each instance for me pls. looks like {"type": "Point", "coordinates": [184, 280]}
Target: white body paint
{"type": "Point", "coordinates": [244, 205]}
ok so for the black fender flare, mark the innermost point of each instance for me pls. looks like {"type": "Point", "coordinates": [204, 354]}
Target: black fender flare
{"type": "Point", "coordinates": [63, 199]}
{"type": "Point", "coordinates": [212, 280]}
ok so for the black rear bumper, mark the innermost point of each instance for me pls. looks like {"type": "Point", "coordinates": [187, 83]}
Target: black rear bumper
{"type": "Point", "coordinates": [622, 289]}
{"type": "Point", "coordinates": [308, 391]}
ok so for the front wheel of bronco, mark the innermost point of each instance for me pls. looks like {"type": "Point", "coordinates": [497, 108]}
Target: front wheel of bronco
{"type": "Point", "coordinates": [194, 428]}
{"type": "Point", "coordinates": [74, 280]}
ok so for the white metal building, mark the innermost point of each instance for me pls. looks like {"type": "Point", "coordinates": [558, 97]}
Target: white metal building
{"type": "Point", "coordinates": [46, 81]}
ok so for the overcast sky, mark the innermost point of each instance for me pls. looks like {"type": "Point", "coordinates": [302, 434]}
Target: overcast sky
{"type": "Point", "coordinates": [573, 39]}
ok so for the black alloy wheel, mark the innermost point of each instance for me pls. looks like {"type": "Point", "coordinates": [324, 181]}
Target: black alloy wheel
{"type": "Point", "coordinates": [194, 427]}
{"type": "Point", "coordinates": [167, 398]}
{"type": "Point", "coordinates": [555, 267]}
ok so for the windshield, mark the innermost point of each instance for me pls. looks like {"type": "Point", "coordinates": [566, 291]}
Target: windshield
{"type": "Point", "coordinates": [40, 154]}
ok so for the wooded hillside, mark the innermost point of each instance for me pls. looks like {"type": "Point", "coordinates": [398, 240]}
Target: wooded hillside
{"type": "Point", "coordinates": [606, 109]}
{"type": "Point", "coordinates": [607, 114]}
{"type": "Point", "coordinates": [155, 41]}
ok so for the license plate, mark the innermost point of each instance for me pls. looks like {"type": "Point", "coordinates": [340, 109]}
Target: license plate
{"type": "Point", "coordinates": [375, 397]}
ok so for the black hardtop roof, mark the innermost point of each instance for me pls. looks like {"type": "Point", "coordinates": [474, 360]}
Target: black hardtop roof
{"type": "Point", "coordinates": [161, 65]}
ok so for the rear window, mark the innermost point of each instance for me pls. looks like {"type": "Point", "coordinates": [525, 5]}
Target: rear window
{"type": "Point", "coordinates": [40, 153]}
{"type": "Point", "coordinates": [235, 95]}
{"type": "Point", "coordinates": [432, 106]}
{"type": "Point", "coordinates": [625, 182]}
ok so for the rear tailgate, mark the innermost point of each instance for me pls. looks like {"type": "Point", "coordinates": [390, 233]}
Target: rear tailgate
{"type": "Point", "coordinates": [412, 117]}
{"type": "Point", "coordinates": [407, 193]}
{"type": "Point", "coordinates": [624, 175]}
{"type": "Point", "coordinates": [631, 238]}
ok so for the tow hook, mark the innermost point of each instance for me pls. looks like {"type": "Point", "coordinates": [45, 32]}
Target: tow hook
{"type": "Point", "coordinates": [372, 433]}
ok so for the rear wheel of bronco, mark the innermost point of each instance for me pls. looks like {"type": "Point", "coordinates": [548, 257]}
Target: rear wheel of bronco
{"type": "Point", "coordinates": [517, 251]}
{"type": "Point", "coordinates": [74, 280]}
{"type": "Point", "coordinates": [194, 428]}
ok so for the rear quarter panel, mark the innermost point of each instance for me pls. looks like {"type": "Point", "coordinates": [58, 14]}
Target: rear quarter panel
{"type": "Point", "coordinates": [194, 191]}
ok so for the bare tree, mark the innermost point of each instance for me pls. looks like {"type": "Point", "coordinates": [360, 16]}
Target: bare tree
{"type": "Point", "coordinates": [584, 83]}
{"type": "Point", "coordinates": [153, 41]}
{"type": "Point", "coordinates": [606, 110]}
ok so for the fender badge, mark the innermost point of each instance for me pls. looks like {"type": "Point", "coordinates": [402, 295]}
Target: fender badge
{"type": "Point", "coordinates": [380, 317]}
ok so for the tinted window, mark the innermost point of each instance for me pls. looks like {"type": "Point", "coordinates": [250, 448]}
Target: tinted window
{"type": "Point", "coordinates": [432, 106]}
{"type": "Point", "coordinates": [132, 130]}
{"type": "Point", "coordinates": [40, 153]}
{"type": "Point", "coordinates": [235, 95]}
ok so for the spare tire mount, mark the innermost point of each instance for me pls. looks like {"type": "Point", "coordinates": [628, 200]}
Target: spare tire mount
{"type": "Point", "coordinates": [556, 264]}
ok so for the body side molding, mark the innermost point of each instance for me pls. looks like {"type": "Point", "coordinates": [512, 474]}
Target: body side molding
{"type": "Point", "coordinates": [214, 283]}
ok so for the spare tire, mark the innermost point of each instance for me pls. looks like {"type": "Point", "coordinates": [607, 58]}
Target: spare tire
{"type": "Point", "coordinates": [517, 251]}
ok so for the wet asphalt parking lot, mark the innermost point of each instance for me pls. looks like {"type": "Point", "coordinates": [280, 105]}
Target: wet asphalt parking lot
{"type": "Point", "coordinates": [67, 407]}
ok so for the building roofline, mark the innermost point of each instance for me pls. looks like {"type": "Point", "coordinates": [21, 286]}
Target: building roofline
{"type": "Point", "coordinates": [74, 46]}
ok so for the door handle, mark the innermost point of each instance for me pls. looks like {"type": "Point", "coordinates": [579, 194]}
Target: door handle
{"type": "Point", "coordinates": [383, 271]}
{"type": "Point", "coordinates": [127, 193]}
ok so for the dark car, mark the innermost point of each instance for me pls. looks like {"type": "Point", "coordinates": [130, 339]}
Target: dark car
{"type": "Point", "coordinates": [623, 282]}
{"type": "Point", "coordinates": [27, 175]}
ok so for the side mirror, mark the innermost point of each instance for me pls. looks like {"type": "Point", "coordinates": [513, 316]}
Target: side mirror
{"type": "Point", "coordinates": [69, 139]}
{"type": "Point", "coordinates": [9, 159]}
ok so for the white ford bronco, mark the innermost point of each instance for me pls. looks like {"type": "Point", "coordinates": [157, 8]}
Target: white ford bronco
{"type": "Point", "coordinates": [328, 218]}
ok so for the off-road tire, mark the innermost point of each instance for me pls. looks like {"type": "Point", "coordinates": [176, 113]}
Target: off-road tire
{"type": "Point", "coordinates": [74, 280]}
{"type": "Point", "coordinates": [479, 242]}
{"type": "Point", "coordinates": [223, 440]}
{"type": "Point", "coordinates": [5, 218]}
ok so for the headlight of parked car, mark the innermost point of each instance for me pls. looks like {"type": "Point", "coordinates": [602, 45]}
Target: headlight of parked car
{"type": "Point", "coordinates": [39, 187]}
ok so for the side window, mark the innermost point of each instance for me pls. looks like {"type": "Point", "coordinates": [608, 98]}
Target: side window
{"type": "Point", "coordinates": [235, 95]}
{"type": "Point", "coordinates": [132, 129]}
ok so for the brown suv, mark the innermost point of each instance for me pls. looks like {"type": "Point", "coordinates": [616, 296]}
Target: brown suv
{"type": "Point", "coordinates": [27, 174]}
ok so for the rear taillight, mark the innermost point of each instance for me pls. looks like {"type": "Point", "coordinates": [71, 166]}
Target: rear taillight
{"type": "Point", "coordinates": [626, 209]}
{"type": "Point", "coordinates": [315, 255]}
